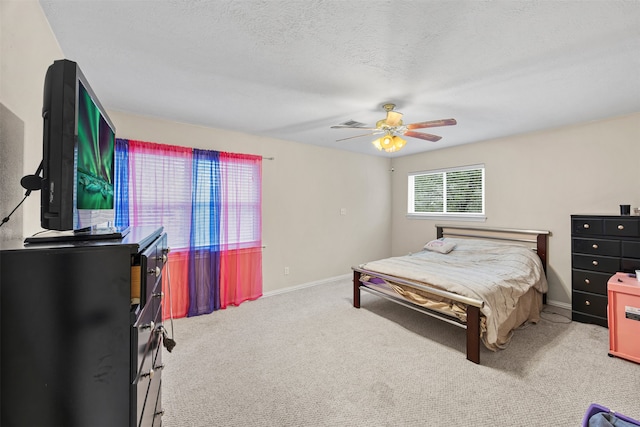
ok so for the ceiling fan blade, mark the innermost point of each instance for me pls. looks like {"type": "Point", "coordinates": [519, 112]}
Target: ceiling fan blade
{"type": "Point", "coordinates": [357, 136]}
{"type": "Point", "coordinates": [350, 127]}
{"type": "Point", "coordinates": [425, 136]}
{"type": "Point", "coordinates": [432, 124]}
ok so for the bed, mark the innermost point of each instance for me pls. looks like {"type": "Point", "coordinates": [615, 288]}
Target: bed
{"type": "Point", "coordinates": [488, 281]}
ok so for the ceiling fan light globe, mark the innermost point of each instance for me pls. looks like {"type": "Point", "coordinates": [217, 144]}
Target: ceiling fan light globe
{"type": "Point", "coordinates": [394, 118]}
{"type": "Point", "coordinates": [376, 143]}
{"type": "Point", "coordinates": [398, 142]}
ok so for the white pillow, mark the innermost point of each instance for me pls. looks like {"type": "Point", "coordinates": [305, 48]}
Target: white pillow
{"type": "Point", "coordinates": [440, 246]}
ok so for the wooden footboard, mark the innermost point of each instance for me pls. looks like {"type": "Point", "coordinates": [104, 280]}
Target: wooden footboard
{"type": "Point", "coordinates": [472, 325]}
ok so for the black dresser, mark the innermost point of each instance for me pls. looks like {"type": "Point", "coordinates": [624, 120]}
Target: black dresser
{"type": "Point", "coordinates": [601, 245]}
{"type": "Point", "coordinates": [81, 331]}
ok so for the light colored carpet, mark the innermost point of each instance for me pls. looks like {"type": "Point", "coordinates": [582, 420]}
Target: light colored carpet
{"type": "Point", "coordinates": [308, 358]}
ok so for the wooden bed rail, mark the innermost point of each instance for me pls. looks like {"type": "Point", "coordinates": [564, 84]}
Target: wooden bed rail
{"type": "Point", "coordinates": [458, 298]}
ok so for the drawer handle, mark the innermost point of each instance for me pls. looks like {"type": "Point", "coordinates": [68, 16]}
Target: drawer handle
{"type": "Point", "coordinates": [149, 325]}
{"type": "Point", "coordinates": [147, 374]}
{"type": "Point", "coordinates": [155, 271]}
{"type": "Point", "coordinates": [587, 281]}
{"type": "Point", "coordinates": [151, 372]}
{"type": "Point", "coordinates": [157, 295]}
{"type": "Point", "coordinates": [587, 302]}
{"type": "Point", "coordinates": [620, 227]}
{"type": "Point", "coordinates": [585, 226]}
{"type": "Point", "coordinates": [595, 246]}
{"type": "Point", "coordinates": [594, 262]}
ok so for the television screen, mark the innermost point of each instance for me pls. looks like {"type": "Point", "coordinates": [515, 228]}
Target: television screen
{"type": "Point", "coordinates": [95, 163]}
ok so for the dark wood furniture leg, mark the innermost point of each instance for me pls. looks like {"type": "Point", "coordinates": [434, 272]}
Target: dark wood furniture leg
{"type": "Point", "coordinates": [473, 334]}
{"type": "Point", "coordinates": [356, 289]}
{"type": "Point", "coordinates": [541, 250]}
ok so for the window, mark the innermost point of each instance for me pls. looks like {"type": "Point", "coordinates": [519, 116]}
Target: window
{"type": "Point", "coordinates": [227, 200]}
{"type": "Point", "coordinates": [243, 202]}
{"type": "Point", "coordinates": [454, 192]}
{"type": "Point", "coordinates": [160, 189]}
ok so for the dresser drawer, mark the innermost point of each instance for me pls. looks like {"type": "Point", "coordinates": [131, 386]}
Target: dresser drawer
{"type": "Point", "coordinates": [151, 271]}
{"type": "Point", "coordinates": [592, 304]}
{"type": "Point", "coordinates": [630, 265]}
{"type": "Point", "coordinates": [587, 318]}
{"type": "Point", "coordinates": [596, 263]}
{"type": "Point", "coordinates": [149, 402]}
{"type": "Point", "coordinates": [148, 370]}
{"type": "Point", "coordinates": [590, 226]}
{"type": "Point", "coordinates": [140, 384]}
{"type": "Point", "coordinates": [596, 246]}
{"type": "Point", "coordinates": [630, 249]}
{"type": "Point", "coordinates": [154, 296]}
{"type": "Point", "coordinates": [622, 227]}
{"type": "Point", "coordinates": [159, 412]}
{"type": "Point", "coordinates": [590, 281]}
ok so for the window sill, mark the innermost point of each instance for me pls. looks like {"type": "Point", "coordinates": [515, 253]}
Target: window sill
{"type": "Point", "coordinates": [449, 217]}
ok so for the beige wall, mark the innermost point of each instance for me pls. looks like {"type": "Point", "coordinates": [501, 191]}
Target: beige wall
{"type": "Point", "coordinates": [304, 189]}
{"type": "Point", "coordinates": [536, 181]}
{"type": "Point", "coordinates": [27, 48]}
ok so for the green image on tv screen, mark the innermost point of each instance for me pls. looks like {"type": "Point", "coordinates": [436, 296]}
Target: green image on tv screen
{"type": "Point", "coordinates": [95, 156]}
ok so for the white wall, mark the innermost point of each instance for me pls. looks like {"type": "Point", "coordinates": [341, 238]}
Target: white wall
{"type": "Point", "coordinates": [536, 181]}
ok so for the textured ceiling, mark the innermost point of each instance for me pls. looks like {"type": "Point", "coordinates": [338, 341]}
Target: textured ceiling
{"type": "Point", "coordinates": [290, 69]}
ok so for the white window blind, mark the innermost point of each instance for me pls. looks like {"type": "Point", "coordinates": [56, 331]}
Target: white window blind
{"type": "Point", "coordinates": [218, 203]}
{"type": "Point", "coordinates": [242, 197]}
{"type": "Point", "coordinates": [160, 194]}
{"type": "Point", "coordinates": [447, 192]}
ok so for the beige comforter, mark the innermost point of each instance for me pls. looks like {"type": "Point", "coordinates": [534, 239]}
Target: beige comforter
{"type": "Point", "coordinates": [497, 273]}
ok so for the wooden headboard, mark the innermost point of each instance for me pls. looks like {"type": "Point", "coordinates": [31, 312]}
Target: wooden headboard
{"type": "Point", "coordinates": [535, 239]}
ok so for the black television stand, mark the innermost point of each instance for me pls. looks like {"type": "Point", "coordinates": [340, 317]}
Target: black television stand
{"type": "Point", "coordinates": [91, 233]}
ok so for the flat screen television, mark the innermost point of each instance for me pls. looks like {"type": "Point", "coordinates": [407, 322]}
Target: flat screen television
{"type": "Point", "coordinates": [78, 161]}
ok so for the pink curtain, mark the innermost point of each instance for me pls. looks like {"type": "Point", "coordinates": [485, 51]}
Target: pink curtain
{"type": "Point", "coordinates": [175, 285]}
{"type": "Point", "coordinates": [241, 231]}
{"type": "Point", "coordinates": [160, 194]}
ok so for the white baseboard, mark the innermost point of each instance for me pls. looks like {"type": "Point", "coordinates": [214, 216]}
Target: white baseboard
{"type": "Point", "coordinates": [562, 307]}
{"type": "Point", "coordinates": [306, 285]}
{"type": "Point", "coordinates": [559, 304]}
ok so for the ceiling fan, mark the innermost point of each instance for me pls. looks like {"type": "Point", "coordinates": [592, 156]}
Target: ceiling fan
{"type": "Point", "coordinates": [392, 127]}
